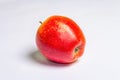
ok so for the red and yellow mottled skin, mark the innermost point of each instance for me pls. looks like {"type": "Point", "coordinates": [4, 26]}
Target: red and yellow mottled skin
{"type": "Point", "coordinates": [60, 39]}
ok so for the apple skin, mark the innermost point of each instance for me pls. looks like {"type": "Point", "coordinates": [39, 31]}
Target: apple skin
{"type": "Point", "coordinates": [60, 39]}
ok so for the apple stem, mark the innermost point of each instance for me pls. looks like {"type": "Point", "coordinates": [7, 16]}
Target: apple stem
{"type": "Point", "coordinates": [40, 22]}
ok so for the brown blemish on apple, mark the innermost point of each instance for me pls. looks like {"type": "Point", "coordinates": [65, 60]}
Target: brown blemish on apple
{"type": "Point", "coordinates": [77, 49]}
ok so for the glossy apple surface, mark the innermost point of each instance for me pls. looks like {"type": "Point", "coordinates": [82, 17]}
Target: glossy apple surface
{"type": "Point", "coordinates": [60, 39]}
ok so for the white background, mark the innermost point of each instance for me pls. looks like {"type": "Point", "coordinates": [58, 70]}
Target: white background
{"type": "Point", "coordinates": [99, 20]}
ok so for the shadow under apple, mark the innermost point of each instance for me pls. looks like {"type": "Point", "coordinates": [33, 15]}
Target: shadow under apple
{"type": "Point", "coordinates": [39, 58]}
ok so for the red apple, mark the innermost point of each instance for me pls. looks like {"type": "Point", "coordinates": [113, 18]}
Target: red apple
{"type": "Point", "coordinates": [60, 39]}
